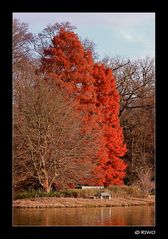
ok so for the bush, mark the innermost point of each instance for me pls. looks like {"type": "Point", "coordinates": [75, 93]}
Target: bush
{"type": "Point", "coordinates": [32, 193]}
{"type": "Point", "coordinates": [125, 191]}
{"type": "Point", "coordinates": [68, 193]}
{"type": "Point", "coordinates": [87, 193]}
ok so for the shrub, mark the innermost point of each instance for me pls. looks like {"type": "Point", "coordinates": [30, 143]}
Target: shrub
{"type": "Point", "coordinates": [32, 193]}
{"type": "Point", "coordinates": [125, 191]}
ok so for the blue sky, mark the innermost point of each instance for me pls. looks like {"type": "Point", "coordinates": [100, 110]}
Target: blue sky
{"type": "Point", "coordinates": [130, 35]}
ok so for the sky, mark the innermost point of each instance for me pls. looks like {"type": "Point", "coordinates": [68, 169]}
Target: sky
{"type": "Point", "coordinates": [129, 35]}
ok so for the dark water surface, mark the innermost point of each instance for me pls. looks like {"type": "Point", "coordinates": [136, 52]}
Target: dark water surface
{"type": "Point", "coordinates": [104, 216]}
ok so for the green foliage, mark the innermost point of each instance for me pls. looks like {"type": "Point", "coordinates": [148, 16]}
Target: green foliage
{"type": "Point", "coordinates": [32, 193]}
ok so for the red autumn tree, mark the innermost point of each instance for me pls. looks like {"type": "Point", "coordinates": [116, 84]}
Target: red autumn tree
{"type": "Point", "coordinates": [70, 66]}
{"type": "Point", "coordinates": [111, 168]}
{"type": "Point", "coordinates": [68, 63]}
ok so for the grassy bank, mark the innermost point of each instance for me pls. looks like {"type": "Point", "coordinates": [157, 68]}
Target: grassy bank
{"type": "Point", "coordinates": [121, 196]}
{"type": "Point", "coordinates": [53, 202]}
{"type": "Point", "coordinates": [115, 191]}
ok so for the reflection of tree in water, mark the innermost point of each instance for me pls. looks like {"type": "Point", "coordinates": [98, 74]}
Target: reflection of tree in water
{"type": "Point", "coordinates": [109, 216]}
{"type": "Point", "coordinates": [138, 215]}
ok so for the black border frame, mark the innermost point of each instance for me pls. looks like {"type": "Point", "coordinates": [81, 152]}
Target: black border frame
{"type": "Point", "coordinates": [8, 230]}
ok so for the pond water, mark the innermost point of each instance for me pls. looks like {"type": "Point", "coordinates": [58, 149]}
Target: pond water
{"type": "Point", "coordinates": [104, 216]}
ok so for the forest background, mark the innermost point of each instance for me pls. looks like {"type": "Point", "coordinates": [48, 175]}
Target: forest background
{"type": "Point", "coordinates": [68, 132]}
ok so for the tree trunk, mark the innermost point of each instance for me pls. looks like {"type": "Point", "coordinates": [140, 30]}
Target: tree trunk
{"type": "Point", "coordinates": [46, 186]}
{"type": "Point", "coordinates": [48, 190]}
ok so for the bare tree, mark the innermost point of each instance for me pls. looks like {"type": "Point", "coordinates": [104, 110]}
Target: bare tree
{"type": "Point", "coordinates": [21, 44]}
{"type": "Point", "coordinates": [91, 46]}
{"type": "Point", "coordinates": [145, 180]}
{"type": "Point", "coordinates": [49, 145]}
{"type": "Point", "coordinates": [135, 80]}
{"type": "Point", "coordinates": [44, 39]}
{"type": "Point", "coordinates": [48, 142]}
{"type": "Point", "coordinates": [136, 84]}
{"type": "Point", "coordinates": [23, 65]}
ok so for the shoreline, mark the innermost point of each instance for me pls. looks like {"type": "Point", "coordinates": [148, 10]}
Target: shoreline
{"type": "Point", "coordinates": [61, 202]}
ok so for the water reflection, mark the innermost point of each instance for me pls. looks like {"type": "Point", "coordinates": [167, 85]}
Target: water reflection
{"type": "Point", "coordinates": [109, 216]}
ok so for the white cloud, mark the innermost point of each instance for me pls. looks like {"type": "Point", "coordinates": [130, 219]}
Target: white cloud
{"type": "Point", "coordinates": [132, 36]}
{"type": "Point", "coordinates": [128, 36]}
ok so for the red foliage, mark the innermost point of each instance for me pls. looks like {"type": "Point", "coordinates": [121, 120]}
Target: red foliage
{"type": "Point", "coordinates": [93, 88]}
{"type": "Point", "coordinates": [111, 168]}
